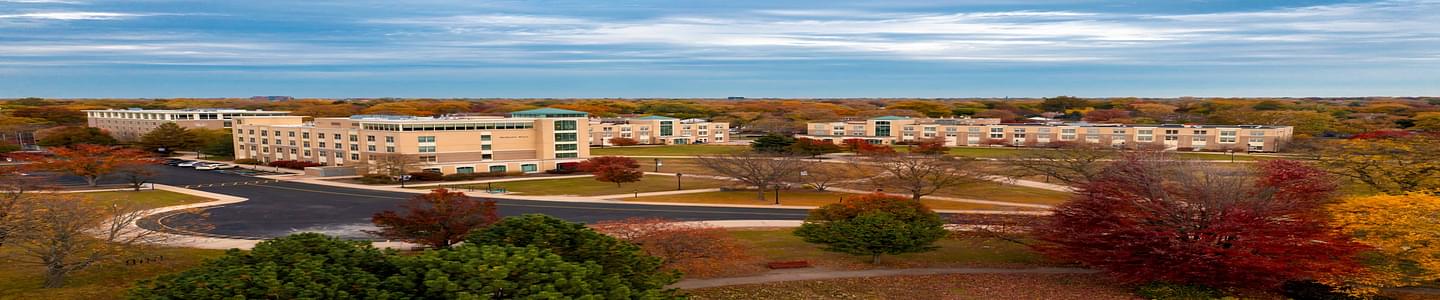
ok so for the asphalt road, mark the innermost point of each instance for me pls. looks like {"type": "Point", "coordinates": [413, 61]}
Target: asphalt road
{"type": "Point", "coordinates": [281, 208]}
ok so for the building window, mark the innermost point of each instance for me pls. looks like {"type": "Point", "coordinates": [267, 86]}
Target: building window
{"type": "Point", "coordinates": [1257, 140]}
{"type": "Point", "coordinates": [565, 137]}
{"type": "Point", "coordinates": [882, 128]}
{"type": "Point", "coordinates": [428, 158]}
{"type": "Point", "coordinates": [427, 149]}
{"type": "Point", "coordinates": [465, 170]}
{"type": "Point", "coordinates": [484, 147]}
{"type": "Point", "coordinates": [567, 155]}
{"type": "Point", "coordinates": [390, 149]}
{"type": "Point", "coordinates": [389, 139]}
{"type": "Point", "coordinates": [485, 137]}
{"type": "Point", "coordinates": [354, 147]}
{"type": "Point", "coordinates": [426, 139]}
{"type": "Point", "coordinates": [322, 144]}
{"type": "Point", "coordinates": [1257, 133]}
{"type": "Point", "coordinates": [497, 169]}
{"type": "Point", "coordinates": [529, 168]}
{"type": "Point", "coordinates": [565, 125]}
{"type": "Point", "coordinates": [354, 138]}
{"type": "Point", "coordinates": [370, 148]}
{"type": "Point", "coordinates": [369, 138]}
{"type": "Point", "coordinates": [487, 156]}
{"type": "Point", "coordinates": [305, 135]}
{"type": "Point", "coordinates": [291, 133]}
{"type": "Point", "coordinates": [566, 147]}
{"type": "Point", "coordinates": [354, 156]}
{"type": "Point", "coordinates": [307, 153]}
{"type": "Point", "coordinates": [339, 154]}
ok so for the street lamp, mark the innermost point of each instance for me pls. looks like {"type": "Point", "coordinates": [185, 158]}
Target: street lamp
{"type": "Point", "coordinates": [777, 194]}
{"type": "Point", "coordinates": [677, 181]}
{"type": "Point", "coordinates": [1232, 154]}
{"type": "Point", "coordinates": [403, 178]}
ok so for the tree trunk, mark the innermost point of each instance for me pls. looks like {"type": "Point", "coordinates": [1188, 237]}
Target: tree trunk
{"type": "Point", "coordinates": [760, 193]}
{"type": "Point", "coordinates": [92, 180]}
{"type": "Point", "coordinates": [617, 184]}
{"type": "Point", "coordinates": [916, 197]}
{"type": "Point", "coordinates": [875, 259]}
{"type": "Point", "coordinates": [54, 276]}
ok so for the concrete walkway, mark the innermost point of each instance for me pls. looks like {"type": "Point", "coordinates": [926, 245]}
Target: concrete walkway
{"type": "Point", "coordinates": [821, 274]}
{"type": "Point", "coordinates": [855, 191]}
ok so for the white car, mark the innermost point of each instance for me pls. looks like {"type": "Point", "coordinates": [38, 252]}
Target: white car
{"type": "Point", "coordinates": [213, 166]}
{"type": "Point", "coordinates": [188, 164]}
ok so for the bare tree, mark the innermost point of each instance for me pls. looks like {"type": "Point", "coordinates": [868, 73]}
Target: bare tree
{"type": "Point", "coordinates": [1073, 164]}
{"type": "Point", "coordinates": [919, 175]}
{"type": "Point", "coordinates": [14, 187]}
{"type": "Point", "coordinates": [64, 234]}
{"type": "Point", "coordinates": [393, 164]}
{"type": "Point", "coordinates": [822, 176]}
{"type": "Point", "coordinates": [759, 170]}
{"type": "Point", "coordinates": [137, 176]}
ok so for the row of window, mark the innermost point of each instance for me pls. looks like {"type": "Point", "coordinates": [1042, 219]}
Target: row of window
{"type": "Point", "coordinates": [449, 127]}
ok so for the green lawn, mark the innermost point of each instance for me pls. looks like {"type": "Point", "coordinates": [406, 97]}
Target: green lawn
{"type": "Point", "coordinates": [668, 150]}
{"type": "Point", "coordinates": [796, 198]}
{"type": "Point", "coordinates": [107, 280]}
{"type": "Point", "coordinates": [588, 186]}
{"type": "Point", "coordinates": [147, 198]}
{"type": "Point", "coordinates": [995, 191]}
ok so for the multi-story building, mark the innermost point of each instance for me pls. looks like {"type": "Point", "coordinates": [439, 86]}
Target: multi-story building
{"type": "Point", "coordinates": [978, 132]}
{"type": "Point", "coordinates": [658, 130]}
{"type": "Point", "coordinates": [130, 124]}
{"type": "Point", "coordinates": [526, 141]}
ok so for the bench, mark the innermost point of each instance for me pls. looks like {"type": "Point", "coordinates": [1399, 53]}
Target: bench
{"type": "Point", "coordinates": [795, 264]}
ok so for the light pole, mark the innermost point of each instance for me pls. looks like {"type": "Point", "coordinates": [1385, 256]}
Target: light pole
{"type": "Point", "coordinates": [777, 194]}
{"type": "Point", "coordinates": [657, 165]}
{"type": "Point", "coordinates": [677, 181]}
{"type": "Point", "coordinates": [1232, 155]}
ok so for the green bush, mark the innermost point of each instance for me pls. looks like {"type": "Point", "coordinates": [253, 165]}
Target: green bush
{"type": "Point", "coordinates": [874, 225]}
{"type": "Point", "coordinates": [248, 161]}
{"type": "Point", "coordinates": [1169, 291]}
{"type": "Point", "coordinates": [425, 176]}
{"type": "Point", "coordinates": [500, 272]}
{"type": "Point", "coordinates": [577, 243]}
{"type": "Point", "coordinates": [376, 179]}
{"type": "Point", "coordinates": [306, 265]}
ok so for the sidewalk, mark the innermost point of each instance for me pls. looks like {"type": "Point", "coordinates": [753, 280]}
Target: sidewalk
{"type": "Point", "coordinates": [854, 191]}
{"type": "Point", "coordinates": [821, 274]}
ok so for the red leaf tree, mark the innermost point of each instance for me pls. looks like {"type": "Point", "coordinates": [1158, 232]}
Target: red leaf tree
{"type": "Point", "coordinates": [931, 146]}
{"type": "Point", "coordinates": [695, 249]}
{"type": "Point", "coordinates": [90, 162]}
{"type": "Point", "coordinates": [617, 169]}
{"type": "Point", "coordinates": [438, 219]}
{"type": "Point", "coordinates": [1147, 219]}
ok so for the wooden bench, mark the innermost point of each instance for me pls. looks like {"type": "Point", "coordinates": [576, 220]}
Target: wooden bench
{"type": "Point", "coordinates": [795, 264]}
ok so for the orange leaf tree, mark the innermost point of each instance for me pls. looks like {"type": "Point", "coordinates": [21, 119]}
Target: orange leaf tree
{"type": "Point", "coordinates": [438, 219]}
{"type": "Point", "coordinates": [91, 162]}
{"type": "Point", "coordinates": [617, 169]}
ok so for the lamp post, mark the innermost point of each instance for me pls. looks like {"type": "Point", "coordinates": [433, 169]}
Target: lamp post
{"type": "Point", "coordinates": [657, 165]}
{"type": "Point", "coordinates": [403, 178]}
{"type": "Point", "coordinates": [1232, 155]}
{"type": "Point", "coordinates": [777, 194]}
{"type": "Point", "coordinates": [677, 181]}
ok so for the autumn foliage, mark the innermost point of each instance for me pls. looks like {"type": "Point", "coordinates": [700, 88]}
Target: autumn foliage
{"type": "Point", "coordinates": [616, 169]}
{"type": "Point", "coordinates": [438, 219]}
{"type": "Point", "coordinates": [1149, 220]}
{"type": "Point", "coordinates": [693, 248]}
{"type": "Point", "coordinates": [90, 162]}
{"type": "Point", "coordinates": [1403, 230]}
{"type": "Point", "coordinates": [862, 147]}
{"type": "Point", "coordinates": [620, 141]}
{"type": "Point", "coordinates": [931, 146]}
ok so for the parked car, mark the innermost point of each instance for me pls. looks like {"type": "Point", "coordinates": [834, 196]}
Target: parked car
{"type": "Point", "coordinates": [188, 164]}
{"type": "Point", "coordinates": [213, 166]}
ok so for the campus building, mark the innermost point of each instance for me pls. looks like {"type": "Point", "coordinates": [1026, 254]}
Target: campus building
{"type": "Point", "coordinates": [526, 141]}
{"type": "Point", "coordinates": [658, 130]}
{"type": "Point", "coordinates": [130, 124]}
{"type": "Point", "coordinates": [982, 132]}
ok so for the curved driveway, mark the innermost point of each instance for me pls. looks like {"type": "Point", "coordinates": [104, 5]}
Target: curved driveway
{"type": "Point", "coordinates": [280, 208]}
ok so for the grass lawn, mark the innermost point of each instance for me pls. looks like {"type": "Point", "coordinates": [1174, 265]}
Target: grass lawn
{"type": "Point", "coordinates": [668, 150]}
{"type": "Point", "coordinates": [108, 280]}
{"type": "Point", "coordinates": [796, 198]}
{"type": "Point", "coordinates": [995, 191]}
{"type": "Point", "coordinates": [587, 186]}
{"type": "Point", "coordinates": [951, 286]}
{"type": "Point", "coordinates": [1004, 152]}
{"type": "Point", "coordinates": [148, 198]}
{"type": "Point", "coordinates": [768, 245]}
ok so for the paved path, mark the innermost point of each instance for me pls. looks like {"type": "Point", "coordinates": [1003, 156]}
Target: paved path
{"type": "Point", "coordinates": [820, 274]}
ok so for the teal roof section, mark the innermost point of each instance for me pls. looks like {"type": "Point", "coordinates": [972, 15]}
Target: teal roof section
{"type": "Point", "coordinates": [549, 113]}
{"type": "Point", "coordinates": [890, 118]}
{"type": "Point", "coordinates": [655, 118]}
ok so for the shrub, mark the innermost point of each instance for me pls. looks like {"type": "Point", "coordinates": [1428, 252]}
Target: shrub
{"type": "Point", "coordinates": [425, 176]}
{"type": "Point", "coordinates": [520, 273]}
{"type": "Point", "coordinates": [564, 168]}
{"type": "Point", "coordinates": [376, 179]}
{"type": "Point", "coordinates": [873, 225]}
{"type": "Point", "coordinates": [1313, 290]}
{"type": "Point", "coordinates": [624, 141]}
{"type": "Point", "coordinates": [247, 161]}
{"type": "Point", "coordinates": [294, 164]}
{"type": "Point", "coordinates": [305, 265]}
{"type": "Point", "coordinates": [438, 219]}
{"type": "Point", "coordinates": [577, 243]}
{"type": "Point", "coordinates": [1169, 291]}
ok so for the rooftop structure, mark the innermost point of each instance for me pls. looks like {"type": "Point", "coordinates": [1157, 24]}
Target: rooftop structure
{"type": "Point", "coordinates": [131, 123]}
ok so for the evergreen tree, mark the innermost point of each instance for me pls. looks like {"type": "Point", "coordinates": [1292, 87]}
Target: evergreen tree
{"type": "Point", "coordinates": [167, 138]}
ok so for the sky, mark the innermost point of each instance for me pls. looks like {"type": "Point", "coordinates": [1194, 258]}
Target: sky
{"type": "Point", "coordinates": [704, 49]}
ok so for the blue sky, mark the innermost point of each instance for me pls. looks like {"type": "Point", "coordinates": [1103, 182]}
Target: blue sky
{"type": "Point", "coordinates": [667, 48]}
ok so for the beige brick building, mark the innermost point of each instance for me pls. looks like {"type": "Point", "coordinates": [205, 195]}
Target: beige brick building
{"type": "Point", "coordinates": [980, 132]}
{"type": "Point", "coordinates": [526, 141]}
{"type": "Point", "coordinates": [658, 130]}
{"type": "Point", "coordinates": [130, 124]}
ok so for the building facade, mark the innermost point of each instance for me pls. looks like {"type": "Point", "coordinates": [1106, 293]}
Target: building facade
{"type": "Point", "coordinates": [982, 132]}
{"type": "Point", "coordinates": [527, 141]}
{"type": "Point", "coordinates": [658, 130]}
{"type": "Point", "coordinates": [130, 124]}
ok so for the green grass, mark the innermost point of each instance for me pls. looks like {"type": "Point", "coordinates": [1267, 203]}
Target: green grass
{"type": "Point", "coordinates": [147, 198]}
{"type": "Point", "coordinates": [782, 245]}
{"type": "Point", "coordinates": [1008, 193]}
{"type": "Point", "coordinates": [588, 186]}
{"type": "Point", "coordinates": [796, 198]}
{"type": "Point", "coordinates": [107, 280]}
{"type": "Point", "coordinates": [669, 150]}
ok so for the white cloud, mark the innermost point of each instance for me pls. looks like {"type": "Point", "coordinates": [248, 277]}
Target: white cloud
{"type": "Point", "coordinates": [72, 15]}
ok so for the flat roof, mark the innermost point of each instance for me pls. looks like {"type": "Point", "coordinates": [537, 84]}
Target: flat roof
{"type": "Point", "coordinates": [189, 110]}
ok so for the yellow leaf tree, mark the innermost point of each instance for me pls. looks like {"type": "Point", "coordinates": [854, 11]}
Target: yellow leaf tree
{"type": "Point", "coordinates": [1405, 232]}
